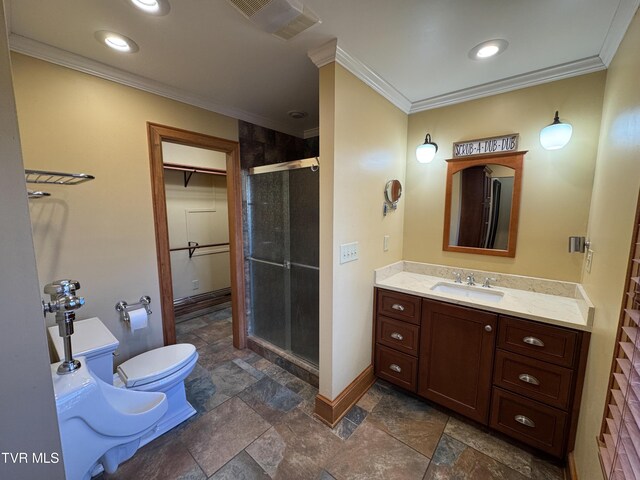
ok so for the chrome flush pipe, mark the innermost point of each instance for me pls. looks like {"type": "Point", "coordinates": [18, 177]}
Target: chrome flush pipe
{"type": "Point", "coordinates": [64, 303]}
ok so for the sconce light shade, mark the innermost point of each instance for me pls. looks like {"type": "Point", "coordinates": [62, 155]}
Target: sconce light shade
{"type": "Point", "coordinates": [556, 135]}
{"type": "Point", "coordinates": [427, 151]}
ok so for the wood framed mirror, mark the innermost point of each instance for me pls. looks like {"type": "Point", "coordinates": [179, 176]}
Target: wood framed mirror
{"type": "Point", "coordinates": [482, 204]}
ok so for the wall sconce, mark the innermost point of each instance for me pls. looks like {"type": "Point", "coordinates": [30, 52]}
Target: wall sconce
{"type": "Point", "coordinates": [426, 151]}
{"type": "Point", "coordinates": [556, 135]}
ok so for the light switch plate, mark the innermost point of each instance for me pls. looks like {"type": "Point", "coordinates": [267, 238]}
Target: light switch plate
{"type": "Point", "coordinates": [589, 261]}
{"type": "Point", "coordinates": [348, 252]}
{"type": "Point", "coordinates": [385, 243]}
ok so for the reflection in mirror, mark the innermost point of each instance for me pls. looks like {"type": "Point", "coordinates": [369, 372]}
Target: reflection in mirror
{"type": "Point", "coordinates": [481, 207]}
{"type": "Point", "coordinates": [392, 192]}
{"type": "Point", "coordinates": [482, 204]}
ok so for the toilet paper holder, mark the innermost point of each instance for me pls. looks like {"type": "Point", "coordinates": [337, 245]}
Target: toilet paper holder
{"type": "Point", "coordinates": [124, 307]}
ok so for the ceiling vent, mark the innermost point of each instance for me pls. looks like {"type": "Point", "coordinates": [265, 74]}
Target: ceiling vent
{"type": "Point", "coordinates": [283, 18]}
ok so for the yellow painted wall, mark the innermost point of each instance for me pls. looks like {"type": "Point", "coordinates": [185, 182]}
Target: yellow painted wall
{"type": "Point", "coordinates": [613, 204]}
{"type": "Point", "coordinates": [369, 148]}
{"type": "Point", "coordinates": [556, 184]}
{"type": "Point", "coordinates": [100, 233]}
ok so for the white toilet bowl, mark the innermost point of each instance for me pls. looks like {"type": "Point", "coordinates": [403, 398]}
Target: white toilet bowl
{"type": "Point", "coordinates": [99, 423]}
{"type": "Point", "coordinates": [160, 370]}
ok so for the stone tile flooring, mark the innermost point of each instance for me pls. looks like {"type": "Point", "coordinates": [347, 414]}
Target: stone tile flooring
{"type": "Point", "coordinates": [255, 420]}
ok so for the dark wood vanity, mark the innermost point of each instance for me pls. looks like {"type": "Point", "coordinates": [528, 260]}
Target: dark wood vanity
{"type": "Point", "coordinates": [520, 377]}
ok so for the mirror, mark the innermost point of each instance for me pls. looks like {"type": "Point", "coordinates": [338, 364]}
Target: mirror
{"type": "Point", "coordinates": [393, 192]}
{"type": "Point", "coordinates": [482, 204]}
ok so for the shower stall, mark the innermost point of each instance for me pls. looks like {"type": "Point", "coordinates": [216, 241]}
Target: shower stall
{"type": "Point", "coordinates": [283, 236]}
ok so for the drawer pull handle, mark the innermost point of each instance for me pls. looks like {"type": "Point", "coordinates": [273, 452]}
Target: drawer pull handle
{"type": "Point", "coordinates": [397, 306]}
{"type": "Point", "coordinates": [397, 336]}
{"type": "Point", "coordinates": [395, 368]}
{"type": "Point", "coordinates": [488, 328]}
{"type": "Point", "coordinates": [536, 342]}
{"type": "Point", "coordinates": [525, 377]}
{"type": "Point", "coordinates": [526, 421]}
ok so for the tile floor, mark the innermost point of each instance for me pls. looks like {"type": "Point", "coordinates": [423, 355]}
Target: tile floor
{"type": "Point", "coordinates": [255, 420]}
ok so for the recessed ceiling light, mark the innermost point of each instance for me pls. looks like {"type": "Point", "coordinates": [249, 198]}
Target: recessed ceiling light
{"type": "Point", "coordinates": [116, 41]}
{"type": "Point", "coordinates": [488, 49]}
{"type": "Point", "coordinates": [153, 7]}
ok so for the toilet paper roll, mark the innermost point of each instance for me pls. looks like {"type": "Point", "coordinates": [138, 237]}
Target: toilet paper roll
{"type": "Point", "coordinates": [137, 319]}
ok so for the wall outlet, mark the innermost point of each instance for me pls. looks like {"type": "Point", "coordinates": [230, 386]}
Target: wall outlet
{"type": "Point", "coordinates": [385, 243]}
{"type": "Point", "coordinates": [195, 284]}
{"type": "Point", "coordinates": [589, 261]}
{"type": "Point", "coordinates": [348, 252]}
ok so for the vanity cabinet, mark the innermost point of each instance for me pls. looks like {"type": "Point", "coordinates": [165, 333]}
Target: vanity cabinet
{"type": "Point", "coordinates": [520, 377]}
{"type": "Point", "coordinates": [456, 360]}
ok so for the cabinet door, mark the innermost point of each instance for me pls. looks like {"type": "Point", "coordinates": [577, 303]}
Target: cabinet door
{"type": "Point", "coordinates": [456, 358]}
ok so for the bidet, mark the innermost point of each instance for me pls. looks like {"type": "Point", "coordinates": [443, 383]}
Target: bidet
{"type": "Point", "coordinates": [64, 303]}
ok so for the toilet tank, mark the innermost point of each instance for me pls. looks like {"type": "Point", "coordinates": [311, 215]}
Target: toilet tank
{"type": "Point", "coordinates": [92, 340]}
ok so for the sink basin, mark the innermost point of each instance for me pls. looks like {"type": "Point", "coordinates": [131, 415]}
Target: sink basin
{"type": "Point", "coordinates": [467, 291]}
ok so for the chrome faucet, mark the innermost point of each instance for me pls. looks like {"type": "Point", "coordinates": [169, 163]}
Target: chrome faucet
{"type": "Point", "coordinates": [487, 282]}
{"type": "Point", "coordinates": [64, 303]}
{"type": "Point", "coordinates": [457, 277]}
{"type": "Point", "coordinates": [471, 279]}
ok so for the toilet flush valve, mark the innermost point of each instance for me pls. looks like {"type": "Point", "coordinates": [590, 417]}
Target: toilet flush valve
{"type": "Point", "coordinates": [64, 303]}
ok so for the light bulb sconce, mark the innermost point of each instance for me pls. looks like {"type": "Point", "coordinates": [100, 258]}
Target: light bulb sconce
{"type": "Point", "coordinates": [556, 135]}
{"type": "Point", "coordinates": [426, 152]}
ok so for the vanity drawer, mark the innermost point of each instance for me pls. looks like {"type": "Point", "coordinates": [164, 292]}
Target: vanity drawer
{"type": "Point", "coordinates": [544, 342]}
{"type": "Point", "coordinates": [530, 422]}
{"type": "Point", "coordinates": [532, 378]}
{"type": "Point", "coordinates": [399, 306]}
{"type": "Point", "coordinates": [397, 368]}
{"type": "Point", "coordinates": [397, 334]}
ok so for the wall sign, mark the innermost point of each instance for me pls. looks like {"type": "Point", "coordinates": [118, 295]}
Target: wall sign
{"type": "Point", "coordinates": [484, 146]}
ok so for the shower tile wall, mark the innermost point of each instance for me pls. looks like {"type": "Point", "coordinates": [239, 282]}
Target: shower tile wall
{"type": "Point", "coordinates": [262, 146]}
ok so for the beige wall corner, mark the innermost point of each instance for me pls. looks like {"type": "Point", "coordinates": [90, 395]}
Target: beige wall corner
{"type": "Point", "coordinates": [368, 149]}
{"type": "Point", "coordinates": [556, 187]}
{"type": "Point", "coordinates": [327, 136]}
{"type": "Point", "coordinates": [613, 206]}
{"type": "Point", "coordinates": [100, 233]}
{"type": "Point", "coordinates": [28, 409]}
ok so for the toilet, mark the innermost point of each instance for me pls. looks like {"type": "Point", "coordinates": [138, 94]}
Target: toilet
{"type": "Point", "coordinates": [163, 369]}
{"type": "Point", "coordinates": [100, 425]}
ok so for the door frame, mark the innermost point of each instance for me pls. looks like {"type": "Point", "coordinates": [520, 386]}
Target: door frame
{"type": "Point", "coordinates": [161, 133]}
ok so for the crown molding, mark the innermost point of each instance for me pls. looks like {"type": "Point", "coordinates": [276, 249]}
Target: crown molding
{"type": "Point", "coordinates": [618, 28]}
{"type": "Point", "coordinates": [324, 54]}
{"type": "Point", "coordinates": [70, 60]}
{"type": "Point", "coordinates": [332, 52]}
{"type": "Point", "coordinates": [372, 79]}
{"type": "Point", "coordinates": [311, 132]}
{"type": "Point", "coordinates": [545, 75]}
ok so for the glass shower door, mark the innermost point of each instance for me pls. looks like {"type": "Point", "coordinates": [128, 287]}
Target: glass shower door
{"type": "Point", "coordinates": [283, 259]}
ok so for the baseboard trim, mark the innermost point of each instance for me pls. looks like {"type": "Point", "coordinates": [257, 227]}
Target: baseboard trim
{"type": "Point", "coordinates": [570, 472]}
{"type": "Point", "coordinates": [331, 412]}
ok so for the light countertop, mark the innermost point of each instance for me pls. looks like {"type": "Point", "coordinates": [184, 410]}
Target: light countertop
{"type": "Point", "coordinates": [564, 304]}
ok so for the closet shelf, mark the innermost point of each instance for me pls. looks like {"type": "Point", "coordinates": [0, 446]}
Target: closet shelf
{"type": "Point", "coordinates": [56, 178]}
{"type": "Point", "coordinates": [193, 246]}
{"type": "Point", "coordinates": [187, 169]}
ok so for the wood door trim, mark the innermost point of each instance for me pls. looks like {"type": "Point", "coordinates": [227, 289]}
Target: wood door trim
{"type": "Point", "coordinates": [156, 135]}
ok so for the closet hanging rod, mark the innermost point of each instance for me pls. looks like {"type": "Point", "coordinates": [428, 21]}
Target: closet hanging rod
{"type": "Point", "coordinates": [192, 248]}
{"type": "Point", "coordinates": [56, 178]}
{"type": "Point", "coordinates": [191, 170]}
